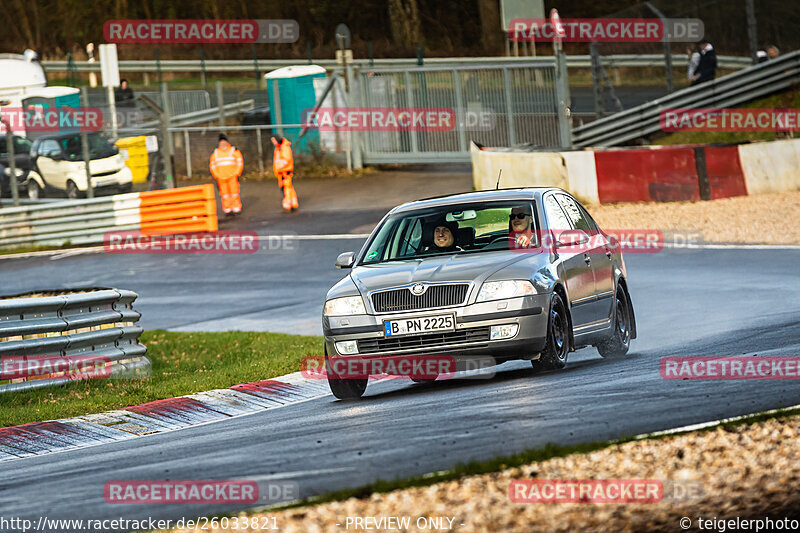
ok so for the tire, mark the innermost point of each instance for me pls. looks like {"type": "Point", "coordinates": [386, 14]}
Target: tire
{"type": "Point", "coordinates": [343, 388]}
{"type": "Point", "coordinates": [35, 192]}
{"type": "Point", "coordinates": [73, 193]}
{"type": "Point", "coordinates": [619, 343]}
{"type": "Point", "coordinates": [557, 346]}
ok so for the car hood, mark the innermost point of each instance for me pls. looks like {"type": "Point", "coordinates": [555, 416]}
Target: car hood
{"type": "Point", "coordinates": [463, 267]}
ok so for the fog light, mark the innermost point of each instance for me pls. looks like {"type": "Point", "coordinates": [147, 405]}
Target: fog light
{"type": "Point", "coordinates": [347, 347]}
{"type": "Point", "coordinates": [506, 331]}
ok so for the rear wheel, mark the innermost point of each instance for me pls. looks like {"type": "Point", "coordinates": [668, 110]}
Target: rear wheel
{"type": "Point", "coordinates": [35, 192]}
{"type": "Point", "coordinates": [557, 347]}
{"type": "Point", "coordinates": [342, 387]}
{"type": "Point", "coordinates": [620, 341]}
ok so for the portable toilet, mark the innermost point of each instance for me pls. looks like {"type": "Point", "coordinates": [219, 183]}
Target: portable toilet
{"type": "Point", "coordinates": [290, 92]}
{"type": "Point", "coordinates": [40, 100]}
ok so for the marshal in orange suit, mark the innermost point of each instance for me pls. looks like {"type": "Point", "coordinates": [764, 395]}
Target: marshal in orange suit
{"type": "Point", "coordinates": [283, 166]}
{"type": "Point", "coordinates": [226, 166]}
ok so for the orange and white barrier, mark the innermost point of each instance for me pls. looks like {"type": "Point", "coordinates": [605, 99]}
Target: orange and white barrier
{"type": "Point", "coordinates": [162, 212]}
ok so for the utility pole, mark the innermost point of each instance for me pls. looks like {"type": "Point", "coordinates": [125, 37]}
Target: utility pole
{"type": "Point", "coordinates": [752, 30]}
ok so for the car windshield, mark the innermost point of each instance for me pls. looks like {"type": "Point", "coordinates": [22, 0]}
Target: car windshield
{"type": "Point", "coordinates": [461, 229]}
{"type": "Point", "coordinates": [99, 147]}
{"type": "Point", "coordinates": [21, 146]}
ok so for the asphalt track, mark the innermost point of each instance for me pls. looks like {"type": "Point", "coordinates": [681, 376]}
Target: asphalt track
{"type": "Point", "coordinates": [688, 302]}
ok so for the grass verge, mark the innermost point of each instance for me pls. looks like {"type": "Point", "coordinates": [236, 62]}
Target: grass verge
{"type": "Point", "coordinates": [183, 363]}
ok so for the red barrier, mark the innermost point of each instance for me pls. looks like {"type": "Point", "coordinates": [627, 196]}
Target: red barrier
{"type": "Point", "coordinates": [646, 175]}
{"type": "Point", "coordinates": [725, 177]}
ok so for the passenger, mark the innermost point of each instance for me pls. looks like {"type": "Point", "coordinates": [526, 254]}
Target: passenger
{"type": "Point", "coordinates": [520, 228]}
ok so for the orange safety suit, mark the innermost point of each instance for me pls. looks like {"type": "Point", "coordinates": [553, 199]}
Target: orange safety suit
{"type": "Point", "coordinates": [226, 166]}
{"type": "Point", "coordinates": [283, 166]}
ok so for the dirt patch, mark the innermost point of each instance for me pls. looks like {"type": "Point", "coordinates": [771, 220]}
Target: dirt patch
{"type": "Point", "coordinates": [762, 219]}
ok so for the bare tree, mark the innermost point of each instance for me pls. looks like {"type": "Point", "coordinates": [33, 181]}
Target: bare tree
{"type": "Point", "coordinates": [490, 25]}
{"type": "Point", "coordinates": [404, 22]}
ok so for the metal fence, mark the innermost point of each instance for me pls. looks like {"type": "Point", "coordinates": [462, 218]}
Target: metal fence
{"type": "Point", "coordinates": [86, 327]}
{"type": "Point", "coordinates": [500, 106]}
{"type": "Point", "coordinates": [264, 65]}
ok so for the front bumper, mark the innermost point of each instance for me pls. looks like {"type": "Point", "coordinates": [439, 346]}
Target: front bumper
{"type": "Point", "coordinates": [469, 339]}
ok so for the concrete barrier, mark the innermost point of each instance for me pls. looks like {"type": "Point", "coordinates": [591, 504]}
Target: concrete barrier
{"type": "Point", "coordinates": [771, 166]}
{"type": "Point", "coordinates": [648, 174]}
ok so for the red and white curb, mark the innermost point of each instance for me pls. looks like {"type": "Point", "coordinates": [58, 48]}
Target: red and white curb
{"type": "Point", "coordinates": [160, 416]}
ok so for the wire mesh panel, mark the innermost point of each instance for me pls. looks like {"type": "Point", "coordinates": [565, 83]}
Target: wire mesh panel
{"type": "Point", "coordinates": [501, 106]}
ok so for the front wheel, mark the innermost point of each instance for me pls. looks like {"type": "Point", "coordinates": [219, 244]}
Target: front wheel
{"type": "Point", "coordinates": [343, 387]}
{"type": "Point", "coordinates": [620, 341]}
{"type": "Point", "coordinates": [73, 193]}
{"type": "Point", "coordinates": [554, 355]}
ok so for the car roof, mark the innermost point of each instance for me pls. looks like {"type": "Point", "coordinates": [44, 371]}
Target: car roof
{"type": "Point", "coordinates": [522, 193]}
{"type": "Point", "coordinates": [62, 135]}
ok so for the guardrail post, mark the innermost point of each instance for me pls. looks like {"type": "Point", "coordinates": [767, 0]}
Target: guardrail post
{"type": "Point", "coordinates": [356, 146]}
{"type": "Point", "coordinates": [188, 151]}
{"type": "Point", "coordinates": [562, 95]}
{"type": "Point", "coordinates": [85, 145]}
{"type": "Point", "coordinates": [410, 103]}
{"type": "Point", "coordinates": [221, 105]}
{"type": "Point", "coordinates": [203, 67]}
{"type": "Point", "coordinates": [12, 167]}
{"type": "Point", "coordinates": [167, 147]}
{"type": "Point", "coordinates": [260, 152]}
{"type": "Point", "coordinates": [461, 113]}
{"type": "Point", "coordinates": [512, 134]}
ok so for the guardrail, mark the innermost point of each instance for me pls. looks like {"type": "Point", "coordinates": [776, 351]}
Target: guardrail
{"type": "Point", "coordinates": [249, 65]}
{"type": "Point", "coordinates": [81, 329]}
{"type": "Point", "coordinates": [735, 89]}
{"type": "Point", "coordinates": [163, 212]}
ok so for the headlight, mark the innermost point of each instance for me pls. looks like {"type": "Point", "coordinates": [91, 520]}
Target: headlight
{"type": "Point", "coordinates": [500, 290]}
{"type": "Point", "coordinates": [349, 305]}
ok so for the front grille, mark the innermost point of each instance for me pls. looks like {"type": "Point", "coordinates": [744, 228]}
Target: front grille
{"type": "Point", "coordinates": [404, 300]}
{"type": "Point", "coordinates": [106, 173]}
{"type": "Point", "coordinates": [385, 344]}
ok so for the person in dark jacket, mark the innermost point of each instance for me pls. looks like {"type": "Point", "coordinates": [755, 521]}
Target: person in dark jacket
{"type": "Point", "coordinates": [706, 69]}
{"type": "Point", "coordinates": [124, 95]}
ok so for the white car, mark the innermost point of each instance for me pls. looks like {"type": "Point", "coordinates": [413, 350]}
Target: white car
{"type": "Point", "coordinates": [58, 161]}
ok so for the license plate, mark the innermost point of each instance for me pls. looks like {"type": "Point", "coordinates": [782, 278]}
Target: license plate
{"type": "Point", "coordinates": [415, 326]}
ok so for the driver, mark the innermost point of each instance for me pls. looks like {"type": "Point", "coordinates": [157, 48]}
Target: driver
{"type": "Point", "coordinates": [444, 236]}
{"type": "Point", "coordinates": [520, 228]}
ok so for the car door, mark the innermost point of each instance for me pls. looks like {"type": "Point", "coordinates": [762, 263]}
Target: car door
{"type": "Point", "coordinates": [49, 161]}
{"type": "Point", "coordinates": [603, 264]}
{"type": "Point", "coordinates": [597, 254]}
{"type": "Point", "coordinates": [578, 274]}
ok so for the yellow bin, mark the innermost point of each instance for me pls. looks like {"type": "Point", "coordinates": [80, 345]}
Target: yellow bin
{"type": "Point", "coordinates": [134, 151]}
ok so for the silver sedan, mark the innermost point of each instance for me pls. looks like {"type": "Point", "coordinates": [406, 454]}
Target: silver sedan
{"type": "Point", "coordinates": [506, 274]}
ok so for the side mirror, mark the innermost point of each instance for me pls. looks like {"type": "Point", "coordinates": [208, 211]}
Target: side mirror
{"type": "Point", "coordinates": [55, 156]}
{"type": "Point", "coordinates": [346, 260]}
{"type": "Point", "coordinates": [572, 238]}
